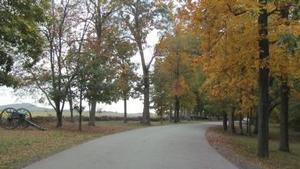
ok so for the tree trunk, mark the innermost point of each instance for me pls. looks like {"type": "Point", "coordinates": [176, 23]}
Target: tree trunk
{"type": "Point", "coordinates": [59, 119]}
{"type": "Point", "coordinates": [125, 110]}
{"type": "Point", "coordinates": [284, 94]}
{"type": "Point", "coordinates": [80, 121]}
{"type": "Point", "coordinates": [92, 112]}
{"type": "Point", "coordinates": [80, 108]}
{"type": "Point", "coordinates": [255, 131]}
{"type": "Point", "coordinates": [241, 124]}
{"type": "Point", "coordinates": [170, 114]}
{"type": "Point", "coordinates": [248, 123]}
{"type": "Point", "coordinates": [146, 83]}
{"type": "Point", "coordinates": [263, 84]}
{"type": "Point", "coordinates": [177, 109]}
{"type": "Point", "coordinates": [161, 117]}
{"type": "Point", "coordinates": [59, 115]}
{"type": "Point", "coordinates": [71, 109]}
{"type": "Point", "coordinates": [232, 127]}
{"type": "Point", "coordinates": [146, 111]}
{"type": "Point", "coordinates": [225, 119]}
{"type": "Point", "coordinates": [284, 129]}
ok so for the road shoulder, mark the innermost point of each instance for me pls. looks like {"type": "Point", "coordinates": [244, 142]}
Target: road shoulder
{"type": "Point", "coordinates": [219, 144]}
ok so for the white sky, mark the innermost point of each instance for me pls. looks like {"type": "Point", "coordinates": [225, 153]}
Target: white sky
{"type": "Point", "coordinates": [8, 96]}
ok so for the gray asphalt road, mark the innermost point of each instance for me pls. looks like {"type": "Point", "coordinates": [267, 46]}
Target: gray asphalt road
{"type": "Point", "coordinates": [167, 147]}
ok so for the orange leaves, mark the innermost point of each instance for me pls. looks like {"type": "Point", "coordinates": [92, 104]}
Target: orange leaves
{"type": "Point", "coordinates": [228, 52]}
{"type": "Point", "coordinates": [228, 47]}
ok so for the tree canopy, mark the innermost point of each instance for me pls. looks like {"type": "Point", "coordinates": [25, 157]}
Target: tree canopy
{"type": "Point", "coordinates": [20, 37]}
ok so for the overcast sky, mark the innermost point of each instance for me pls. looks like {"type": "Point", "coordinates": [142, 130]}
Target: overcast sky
{"type": "Point", "coordinates": [8, 96]}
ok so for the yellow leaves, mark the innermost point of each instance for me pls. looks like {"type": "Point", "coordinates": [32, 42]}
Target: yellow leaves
{"type": "Point", "coordinates": [229, 47]}
{"type": "Point", "coordinates": [247, 103]}
{"type": "Point", "coordinates": [283, 63]}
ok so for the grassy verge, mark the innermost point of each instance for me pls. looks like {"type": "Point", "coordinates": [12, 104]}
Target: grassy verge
{"type": "Point", "coordinates": [21, 147]}
{"type": "Point", "coordinates": [244, 148]}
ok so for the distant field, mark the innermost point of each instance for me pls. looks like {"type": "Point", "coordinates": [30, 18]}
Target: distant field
{"type": "Point", "coordinates": [48, 112]}
{"type": "Point", "coordinates": [67, 114]}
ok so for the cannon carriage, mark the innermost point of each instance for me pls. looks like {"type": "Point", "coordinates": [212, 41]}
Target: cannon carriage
{"type": "Point", "coordinates": [11, 118]}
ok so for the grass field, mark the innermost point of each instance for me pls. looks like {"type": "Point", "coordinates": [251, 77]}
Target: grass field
{"type": "Point", "coordinates": [21, 147]}
{"type": "Point", "coordinates": [246, 147]}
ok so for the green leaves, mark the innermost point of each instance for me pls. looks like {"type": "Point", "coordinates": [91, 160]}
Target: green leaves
{"type": "Point", "coordinates": [20, 38]}
{"type": "Point", "coordinates": [289, 42]}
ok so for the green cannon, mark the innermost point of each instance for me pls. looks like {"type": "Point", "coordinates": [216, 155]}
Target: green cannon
{"type": "Point", "coordinates": [11, 118]}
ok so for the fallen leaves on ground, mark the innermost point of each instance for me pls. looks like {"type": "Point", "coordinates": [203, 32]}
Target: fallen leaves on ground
{"type": "Point", "coordinates": [241, 150]}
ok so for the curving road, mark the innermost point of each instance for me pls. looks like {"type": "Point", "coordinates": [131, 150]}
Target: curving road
{"type": "Point", "coordinates": [167, 147]}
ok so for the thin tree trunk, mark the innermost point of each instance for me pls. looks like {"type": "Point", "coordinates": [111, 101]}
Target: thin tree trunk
{"type": "Point", "coordinates": [232, 126]}
{"type": "Point", "coordinates": [71, 109]}
{"type": "Point", "coordinates": [284, 128]}
{"type": "Point", "coordinates": [170, 114]}
{"type": "Point", "coordinates": [177, 109]}
{"type": "Point", "coordinates": [80, 109]}
{"type": "Point", "coordinates": [92, 113]}
{"type": "Point", "coordinates": [125, 110]}
{"type": "Point", "coordinates": [161, 117]}
{"type": "Point", "coordinates": [241, 124]}
{"type": "Point", "coordinates": [248, 123]}
{"type": "Point", "coordinates": [263, 84]}
{"type": "Point", "coordinates": [255, 131]}
{"type": "Point", "coordinates": [80, 121]}
{"type": "Point", "coordinates": [225, 119]}
{"type": "Point", "coordinates": [80, 118]}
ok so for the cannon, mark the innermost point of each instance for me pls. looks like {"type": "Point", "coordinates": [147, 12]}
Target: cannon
{"type": "Point", "coordinates": [11, 118]}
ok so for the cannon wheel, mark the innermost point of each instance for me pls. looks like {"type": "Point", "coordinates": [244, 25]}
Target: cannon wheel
{"type": "Point", "coordinates": [6, 118]}
{"type": "Point", "coordinates": [27, 116]}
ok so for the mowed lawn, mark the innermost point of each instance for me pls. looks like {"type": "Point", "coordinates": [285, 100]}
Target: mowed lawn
{"type": "Point", "coordinates": [23, 146]}
{"type": "Point", "coordinates": [246, 147]}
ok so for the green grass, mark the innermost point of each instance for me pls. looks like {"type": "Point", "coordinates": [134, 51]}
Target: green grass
{"type": "Point", "coordinates": [246, 146]}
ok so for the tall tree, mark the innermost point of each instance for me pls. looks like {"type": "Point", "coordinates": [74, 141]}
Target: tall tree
{"type": "Point", "coordinates": [284, 53]}
{"type": "Point", "coordinates": [126, 76]}
{"type": "Point", "coordinates": [101, 39]}
{"type": "Point", "coordinates": [141, 17]}
{"type": "Point", "coordinates": [51, 75]}
{"type": "Point", "coordinates": [178, 52]}
{"type": "Point", "coordinates": [263, 83]}
{"type": "Point", "coordinates": [160, 94]}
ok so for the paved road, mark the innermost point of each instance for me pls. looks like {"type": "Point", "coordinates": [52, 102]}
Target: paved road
{"type": "Point", "coordinates": [167, 147]}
